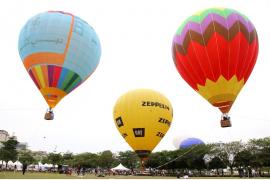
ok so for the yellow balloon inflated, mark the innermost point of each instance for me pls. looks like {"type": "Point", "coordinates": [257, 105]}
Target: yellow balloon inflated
{"type": "Point", "coordinates": [143, 117]}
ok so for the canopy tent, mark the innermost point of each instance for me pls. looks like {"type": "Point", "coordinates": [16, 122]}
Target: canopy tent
{"type": "Point", "coordinates": [47, 165]}
{"type": "Point", "coordinates": [10, 163]}
{"type": "Point", "coordinates": [40, 164]}
{"type": "Point", "coordinates": [18, 164]}
{"type": "Point", "coordinates": [120, 167]}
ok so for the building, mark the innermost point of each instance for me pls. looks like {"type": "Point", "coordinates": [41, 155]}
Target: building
{"type": "Point", "coordinates": [21, 146]}
{"type": "Point", "coordinates": [4, 136]}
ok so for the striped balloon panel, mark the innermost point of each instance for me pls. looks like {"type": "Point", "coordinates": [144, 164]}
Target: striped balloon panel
{"type": "Point", "coordinates": [54, 76]}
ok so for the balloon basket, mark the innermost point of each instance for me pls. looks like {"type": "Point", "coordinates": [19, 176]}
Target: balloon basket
{"type": "Point", "coordinates": [225, 123]}
{"type": "Point", "coordinates": [225, 120]}
{"type": "Point", "coordinates": [49, 115]}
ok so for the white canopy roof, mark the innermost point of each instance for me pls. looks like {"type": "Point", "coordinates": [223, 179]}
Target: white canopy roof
{"type": "Point", "coordinates": [41, 165]}
{"type": "Point", "coordinates": [120, 167]}
{"type": "Point", "coordinates": [10, 163]}
{"type": "Point", "coordinates": [18, 163]}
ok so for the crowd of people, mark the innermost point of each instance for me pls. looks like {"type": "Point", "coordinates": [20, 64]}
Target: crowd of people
{"type": "Point", "coordinates": [249, 172]}
{"type": "Point", "coordinates": [242, 172]}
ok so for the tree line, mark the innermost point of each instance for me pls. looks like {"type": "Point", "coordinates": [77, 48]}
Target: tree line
{"type": "Point", "coordinates": [255, 154]}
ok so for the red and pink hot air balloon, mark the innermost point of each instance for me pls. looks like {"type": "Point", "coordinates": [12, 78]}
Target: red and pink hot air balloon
{"type": "Point", "coordinates": [215, 51]}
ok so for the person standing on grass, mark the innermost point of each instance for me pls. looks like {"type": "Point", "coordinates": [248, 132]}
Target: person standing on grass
{"type": "Point", "coordinates": [15, 168]}
{"type": "Point", "coordinates": [24, 168]}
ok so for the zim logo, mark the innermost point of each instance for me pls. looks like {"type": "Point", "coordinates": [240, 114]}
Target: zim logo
{"type": "Point", "coordinates": [160, 134]}
{"type": "Point", "coordinates": [119, 122]}
{"type": "Point", "coordinates": [138, 132]}
{"type": "Point", "coordinates": [124, 135]}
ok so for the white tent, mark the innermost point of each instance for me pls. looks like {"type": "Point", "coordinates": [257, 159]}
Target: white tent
{"type": "Point", "coordinates": [120, 167]}
{"type": "Point", "coordinates": [2, 163]}
{"type": "Point", "coordinates": [40, 164]}
{"type": "Point", "coordinates": [10, 163]}
{"type": "Point", "coordinates": [18, 165]}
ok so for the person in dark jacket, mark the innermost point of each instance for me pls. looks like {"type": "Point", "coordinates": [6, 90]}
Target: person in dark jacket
{"type": "Point", "coordinates": [24, 168]}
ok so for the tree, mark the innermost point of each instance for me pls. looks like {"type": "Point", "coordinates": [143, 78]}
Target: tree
{"type": "Point", "coordinates": [181, 163]}
{"type": "Point", "coordinates": [8, 152]}
{"type": "Point", "coordinates": [107, 159]}
{"type": "Point", "coordinates": [128, 159]}
{"type": "Point", "coordinates": [244, 158]}
{"type": "Point", "coordinates": [196, 157]}
{"type": "Point", "coordinates": [216, 163]}
{"type": "Point", "coordinates": [88, 160]}
{"type": "Point", "coordinates": [227, 152]}
{"type": "Point", "coordinates": [158, 159]}
{"type": "Point", "coordinates": [54, 158]}
{"type": "Point", "coordinates": [196, 162]}
{"type": "Point", "coordinates": [26, 158]}
{"type": "Point", "coordinates": [260, 149]}
{"type": "Point", "coordinates": [68, 158]}
{"type": "Point", "coordinates": [153, 160]}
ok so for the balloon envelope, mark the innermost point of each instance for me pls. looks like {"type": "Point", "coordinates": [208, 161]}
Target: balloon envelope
{"type": "Point", "coordinates": [59, 51]}
{"type": "Point", "coordinates": [215, 51]}
{"type": "Point", "coordinates": [143, 117]}
{"type": "Point", "coordinates": [189, 142]}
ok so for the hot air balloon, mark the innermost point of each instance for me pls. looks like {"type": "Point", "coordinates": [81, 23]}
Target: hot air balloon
{"type": "Point", "coordinates": [59, 51]}
{"type": "Point", "coordinates": [143, 117]}
{"type": "Point", "coordinates": [215, 51]}
{"type": "Point", "coordinates": [184, 143]}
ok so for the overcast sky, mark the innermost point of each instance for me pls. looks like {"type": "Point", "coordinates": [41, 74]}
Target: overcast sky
{"type": "Point", "coordinates": [136, 38]}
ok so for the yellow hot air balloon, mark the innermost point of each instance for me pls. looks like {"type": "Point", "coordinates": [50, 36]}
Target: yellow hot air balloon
{"type": "Point", "coordinates": [143, 117]}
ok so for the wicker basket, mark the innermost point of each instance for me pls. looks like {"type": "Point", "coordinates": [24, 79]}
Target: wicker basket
{"type": "Point", "coordinates": [225, 123]}
{"type": "Point", "coordinates": [48, 116]}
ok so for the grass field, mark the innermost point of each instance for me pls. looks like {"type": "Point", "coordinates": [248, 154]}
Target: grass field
{"type": "Point", "coordinates": [38, 175]}
{"type": "Point", "coordinates": [30, 175]}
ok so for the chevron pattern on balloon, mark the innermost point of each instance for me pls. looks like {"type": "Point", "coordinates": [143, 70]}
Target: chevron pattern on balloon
{"type": "Point", "coordinates": [213, 60]}
{"type": "Point", "coordinates": [215, 27]}
{"type": "Point", "coordinates": [215, 52]}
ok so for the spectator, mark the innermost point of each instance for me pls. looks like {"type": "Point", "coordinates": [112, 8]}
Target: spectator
{"type": "Point", "coordinates": [24, 168]}
{"type": "Point", "coordinates": [15, 168]}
